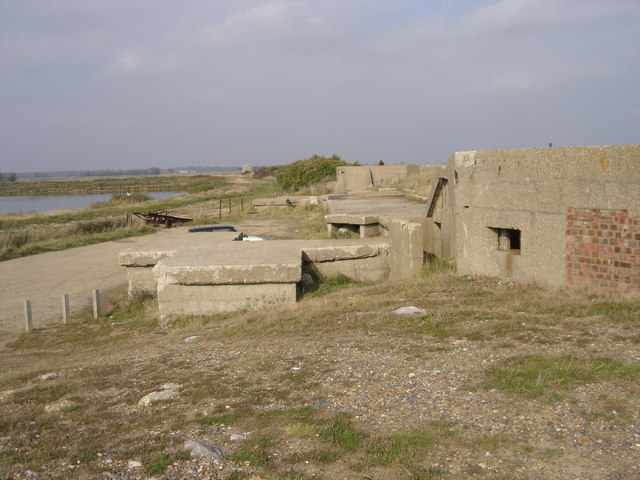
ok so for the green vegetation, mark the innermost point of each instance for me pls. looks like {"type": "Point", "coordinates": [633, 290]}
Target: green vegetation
{"type": "Point", "coordinates": [131, 184]}
{"type": "Point", "coordinates": [8, 177]}
{"type": "Point", "coordinates": [310, 171]}
{"type": "Point", "coordinates": [37, 233]}
{"type": "Point", "coordinates": [30, 241]}
{"type": "Point", "coordinates": [118, 199]}
{"type": "Point", "coordinates": [325, 285]}
{"type": "Point", "coordinates": [535, 375]}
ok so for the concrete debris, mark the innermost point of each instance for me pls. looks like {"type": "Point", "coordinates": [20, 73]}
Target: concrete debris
{"type": "Point", "coordinates": [409, 311]}
{"type": "Point", "coordinates": [200, 449]}
{"type": "Point", "coordinates": [168, 392]}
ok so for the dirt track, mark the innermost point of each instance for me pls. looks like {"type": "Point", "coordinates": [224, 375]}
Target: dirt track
{"type": "Point", "coordinates": [44, 278]}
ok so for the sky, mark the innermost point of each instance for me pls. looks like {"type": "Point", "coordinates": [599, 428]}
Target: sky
{"type": "Point", "coordinates": [122, 84]}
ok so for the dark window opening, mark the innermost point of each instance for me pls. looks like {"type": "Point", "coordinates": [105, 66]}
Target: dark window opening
{"type": "Point", "coordinates": [508, 239]}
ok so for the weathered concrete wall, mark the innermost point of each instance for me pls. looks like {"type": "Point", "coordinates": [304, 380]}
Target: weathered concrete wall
{"type": "Point", "coordinates": [237, 276]}
{"type": "Point", "coordinates": [407, 247]}
{"type": "Point", "coordinates": [141, 260]}
{"type": "Point", "coordinates": [508, 208]}
{"type": "Point", "coordinates": [176, 300]}
{"type": "Point", "coordinates": [363, 263]}
{"type": "Point", "coordinates": [357, 179]}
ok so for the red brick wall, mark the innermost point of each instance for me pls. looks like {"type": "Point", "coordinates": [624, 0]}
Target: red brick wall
{"type": "Point", "coordinates": [603, 249]}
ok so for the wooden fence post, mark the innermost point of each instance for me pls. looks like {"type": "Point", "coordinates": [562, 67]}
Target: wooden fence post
{"type": "Point", "coordinates": [28, 319]}
{"type": "Point", "coordinates": [96, 304]}
{"type": "Point", "coordinates": [229, 204]}
{"type": "Point", "coordinates": [65, 309]}
{"type": "Point", "coordinates": [220, 210]}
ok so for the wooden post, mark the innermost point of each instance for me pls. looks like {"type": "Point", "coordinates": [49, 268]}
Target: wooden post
{"type": "Point", "coordinates": [96, 304]}
{"type": "Point", "coordinates": [28, 319]}
{"type": "Point", "coordinates": [220, 210]}
{"type": "Point", "coordinates": [65, 309]}
{"type": "Point", "coordinates": [229, 205]}
{"type": "Point", "coordinates": [241, 204]}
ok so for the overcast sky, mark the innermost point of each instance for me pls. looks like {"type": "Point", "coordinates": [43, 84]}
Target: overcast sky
{"type": "Point", "coordinates": [117, 84]}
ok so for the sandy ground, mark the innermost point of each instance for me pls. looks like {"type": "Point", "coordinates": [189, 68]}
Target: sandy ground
{"type": "Point", "coordinates": [45, 278]}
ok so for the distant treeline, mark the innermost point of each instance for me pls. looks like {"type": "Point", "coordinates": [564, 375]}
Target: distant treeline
{"type": "Point", "coordinates": [8, 177]}
{"type": "Point", "coordinates": [119, 173]}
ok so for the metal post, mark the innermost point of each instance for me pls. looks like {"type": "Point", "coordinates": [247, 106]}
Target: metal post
{"type": "Point", "coordinates": [65, 309]}
{"type": "Point", "coordinates": [27, 316]}
{"type": "Point", "coordinates": [96, 304]}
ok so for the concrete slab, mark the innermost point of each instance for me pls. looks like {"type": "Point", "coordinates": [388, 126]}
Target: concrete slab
{"type": "Point", "coordinates": [149, 251]}
{"type": "Point", "coordinates": [376, 205]}
{"type": "Point", "coordinates": [233, 263]}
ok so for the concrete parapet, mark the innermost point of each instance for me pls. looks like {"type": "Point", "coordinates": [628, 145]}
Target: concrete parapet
{"type": "Point", "coordinates": [141, 259]}
{"type": "Point", "coordinates": [233, 263]}
{"type": "Point", "coordinates": [407, 247]}
{"type": "Point", "coordinates": [239, 275]}
{"type": "Point", "coordinates": [362, 263]}
{"type": "Point", "coordinates": [175, 300]}
{"type": "Point", "coordinates": [361, 178]}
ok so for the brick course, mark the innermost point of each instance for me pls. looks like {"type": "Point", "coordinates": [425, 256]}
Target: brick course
{"type": "Point", "coordinates": [602, 249]}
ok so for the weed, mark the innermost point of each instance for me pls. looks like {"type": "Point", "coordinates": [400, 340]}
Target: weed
{"type": "Point", "coordinates": [254, 451]}
{"type": "Point", "coordinates": [158, 464]}
{"type": "Point", "coordinates": [404, 448]}
{"type": "Point", "coordinates": [534, 375]}
{"type": "Point", "coordinates": [223, 419]}
{"type": "Point", "coordinates": [325, 456]}
{"type": "Point", "coordinates": [326, 285]}
{"type": "Point", "coordinates": [436, 266]}
{"type": "Point", "coordinates": [342, 433]}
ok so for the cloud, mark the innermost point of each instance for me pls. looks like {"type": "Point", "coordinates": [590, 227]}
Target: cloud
{"type": "Point", "coordinates": [396, 79]}
{"type": "Point", "coordinates": [128, 61]}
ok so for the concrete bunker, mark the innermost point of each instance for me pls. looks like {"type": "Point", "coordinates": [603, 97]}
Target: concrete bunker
{"type": "Point", "coordinates": [553, 216]}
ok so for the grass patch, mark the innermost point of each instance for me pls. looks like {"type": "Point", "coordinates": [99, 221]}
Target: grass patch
{"type": "Point", "coordinates": [436, 266]}
{"type": "Point", "coordinates": [406, 448]}
{"type": "Point", "coordinates": [535, 375]}
{"type": "Point", "coordinates": [158, 464]}
{"type": "Point", "coordinates": [255, 451]}
{"type": "Point", "coordinates": [326, 285]}
{"type": "Point", "coordinates": [343, 434]}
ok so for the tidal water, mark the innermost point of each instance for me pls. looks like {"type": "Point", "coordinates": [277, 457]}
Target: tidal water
{"type": "Point", "coordinates": [45, 203]}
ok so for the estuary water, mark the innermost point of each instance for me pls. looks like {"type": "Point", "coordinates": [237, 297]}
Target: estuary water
{"type": "Point", "coordinates": [45, 203]}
